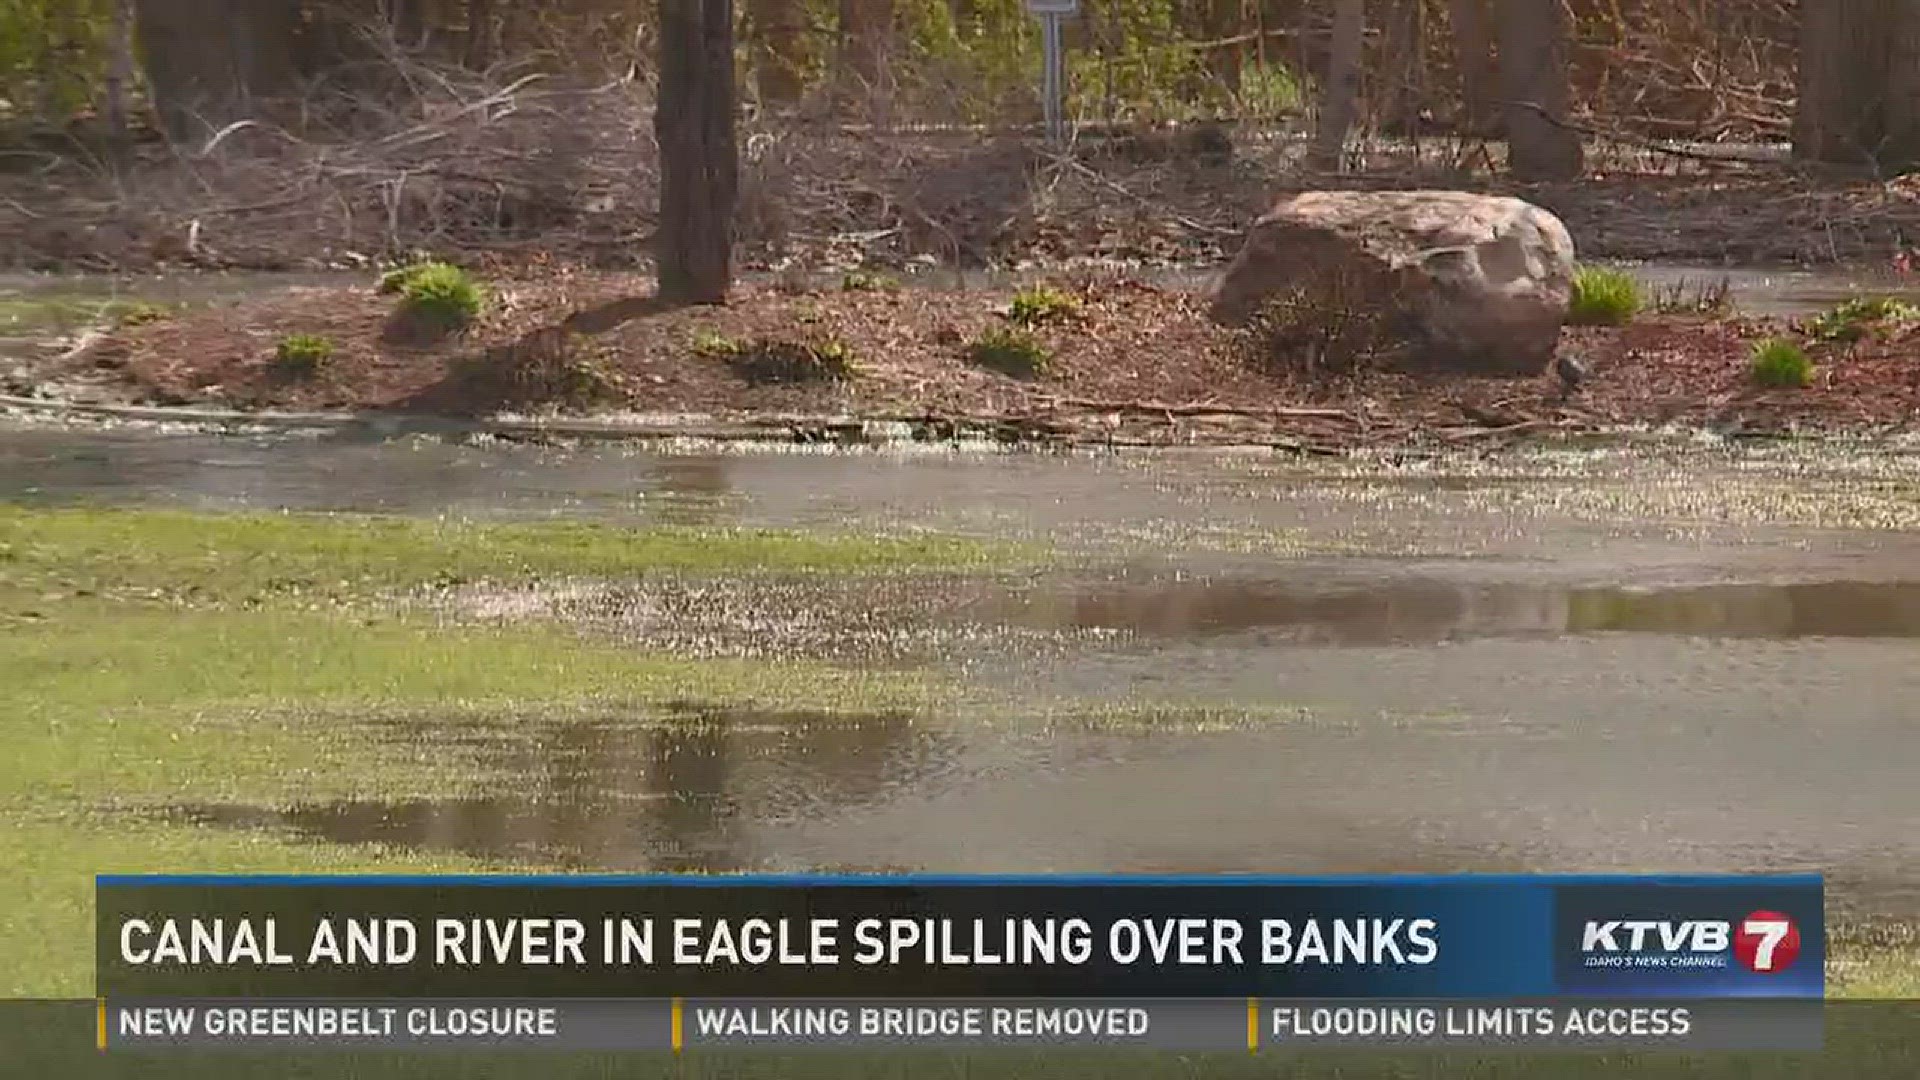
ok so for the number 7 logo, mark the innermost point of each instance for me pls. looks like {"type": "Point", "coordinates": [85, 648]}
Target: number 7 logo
{"type": "Point", "coordinates": [1766, 942]}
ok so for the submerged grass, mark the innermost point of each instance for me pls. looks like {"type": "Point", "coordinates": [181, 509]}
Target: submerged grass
{"type": "Point", "coordinates": [155, 658]}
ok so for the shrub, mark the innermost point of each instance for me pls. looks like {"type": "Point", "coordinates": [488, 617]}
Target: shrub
{"type": "Point", "coordinates": [1779, 364]}
{"type": "Point", "coordinates": [439, 295]}
{"type": "Point", "coordinates": [1337, 323]}
{"type": "Point", "coordinates": [1040, 304]}
{"type": "Point", "coordinates": [302, 355]}
{"type": "Point", "coordinates": [1856, 318]}
{"type": "Point", "coordinates": [395, 279]}
{"type": "Point", "coordinates": [779, 360]}
{"type": "Point", "coordinates": [1010, 351]}
{"type": "Point", "coordinates": [868, 281]}
{"type": "Point", "coordinates": [1603, 297]}
{"type": "Point", "coordinates": [545, 367]}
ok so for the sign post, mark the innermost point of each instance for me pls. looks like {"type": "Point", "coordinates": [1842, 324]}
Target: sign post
{"type": "Point", "coordinates": [1054, 81]}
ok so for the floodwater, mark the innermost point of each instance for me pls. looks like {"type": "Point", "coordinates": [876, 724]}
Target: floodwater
{"type": "Point", "coordinates": [1683, 659]}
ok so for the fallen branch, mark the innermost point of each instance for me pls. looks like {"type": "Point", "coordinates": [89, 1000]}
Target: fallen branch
{"type": "Point", "coordinates": [1156, 407]}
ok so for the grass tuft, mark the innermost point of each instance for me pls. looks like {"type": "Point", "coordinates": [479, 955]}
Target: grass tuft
{"type": "Point", "coordinates": [1042, 304]}
{"type": "Point", "coordinates": [1781, 364]}
{"type": "Point", "coordinates": [140, 313]}
{"type": "Point", "coordinates": [868, 281]}
{"type": "Point", "coordinates": [301, 356]}
{"type": "Point", "coordinates": [1011, 351]}
{"type": "Point", "coordinates": [1603, 296]}
{"type": "Point", "coordinates": [816, 359]}
{"type": "Point", "coordinates": [439, 295]}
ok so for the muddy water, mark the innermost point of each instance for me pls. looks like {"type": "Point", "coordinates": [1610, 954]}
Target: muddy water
{"type": "Point", "coordinates": [1556, 660]}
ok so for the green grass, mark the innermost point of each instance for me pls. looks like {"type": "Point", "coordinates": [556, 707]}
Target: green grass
{"type": "Point", "coordinates": [1603, 296]}
{"type": "Point", "coordinates": [436, 294]}
{"type": "Point", "coordinates": [1010, 351]}
{"type": "Point", "coordinates": [1042, 304]}
{"type": "Point", "coordinates": [1859, 318]}
{"type": "Point", "coordinates": [301, 356]}
{"type": "Point", "coordinates": [1779, 364]}
{"type": "Point", "coordinates": [310, 557]}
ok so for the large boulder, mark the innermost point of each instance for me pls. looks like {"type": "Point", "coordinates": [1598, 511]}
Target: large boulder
{"type": "Point", "coordinates": [1471, 283]}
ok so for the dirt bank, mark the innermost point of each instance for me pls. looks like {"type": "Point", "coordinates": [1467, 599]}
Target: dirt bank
{"type": "Point", "coordinates": [1133, 363]}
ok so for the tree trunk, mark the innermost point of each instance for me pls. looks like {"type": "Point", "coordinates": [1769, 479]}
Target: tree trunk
{"type": "Point", "coordinates": [120, 69]}
{"type": "Point", "coordinates": [1224, 20]}
{"type": "Point", "coordinates": [866, 30]}
{"type": "Point", "coordinates": [1340, 96]}
{"type": "Point", "coordinates": [1402, 97]}
{"type": "Point", "coordinates": [699, 161]}
{"type": "Point", "coordinates": [208, 61]}
{"type": "Point", "coordinates": [1473, 56]}
{"type": "Point", "coordinates": [1533, 81]}
{"type": "Point", "coordinates": [479, 44]}
{"type": "Point", "coordinates": [1859, 66]}
{"type": "Point", "coordinates": [778, 57]}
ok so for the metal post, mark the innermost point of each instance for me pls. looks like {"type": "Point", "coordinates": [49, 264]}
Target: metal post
{"type": "Point", "coordinates": [1050, 41]}
{"type": "Point", "coordinates": [1054, 80]}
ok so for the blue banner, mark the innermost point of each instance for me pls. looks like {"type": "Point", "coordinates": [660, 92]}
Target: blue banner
{"type": "Point", "coordinates": [1456, 937]}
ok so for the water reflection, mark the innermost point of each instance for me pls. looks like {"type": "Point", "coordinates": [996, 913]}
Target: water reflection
{"type": "Point", "coordinates": [659, 796]}
{"type": "Point", "coordinates": [1430, 610]}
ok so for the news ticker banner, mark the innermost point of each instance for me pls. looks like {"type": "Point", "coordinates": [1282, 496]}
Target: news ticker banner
{"type": "Point", "coordinates": [582, 962]}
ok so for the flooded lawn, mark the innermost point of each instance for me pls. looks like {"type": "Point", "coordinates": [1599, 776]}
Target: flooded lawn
{"type": "Point", "coordinates": [1650, 660]}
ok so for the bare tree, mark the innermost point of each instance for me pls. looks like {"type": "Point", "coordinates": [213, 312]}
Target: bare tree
{"type": "Point", "coordinates": [1340, 97]}
{"type": "Point", "coordinates": [1533, 81]}
{"type": "Point", "coordinates": [699, 159]}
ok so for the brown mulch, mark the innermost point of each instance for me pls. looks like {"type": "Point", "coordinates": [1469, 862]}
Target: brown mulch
{"type": "Point", "coordinates": [1135, 364]}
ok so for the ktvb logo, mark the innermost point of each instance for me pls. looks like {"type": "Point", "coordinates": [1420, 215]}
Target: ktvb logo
{"type": "Point", "coordinates": [1765, 942]}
